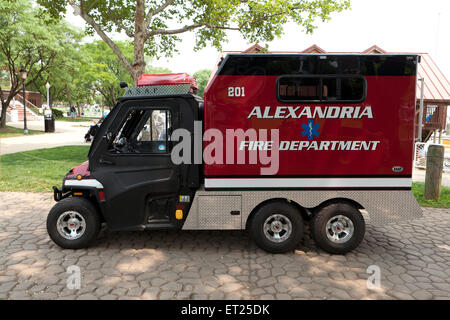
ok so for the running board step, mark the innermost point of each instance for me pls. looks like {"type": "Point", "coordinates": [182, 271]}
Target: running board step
{"type": "Point", "coordinates": [160, 226]}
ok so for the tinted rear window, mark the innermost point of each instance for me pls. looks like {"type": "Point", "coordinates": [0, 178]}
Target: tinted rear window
{"type": "Point", "coordinates": [321, 88]}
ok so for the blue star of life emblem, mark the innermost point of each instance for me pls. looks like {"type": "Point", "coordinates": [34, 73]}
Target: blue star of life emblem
{"type": "Point", "coordinates": [310, 129]}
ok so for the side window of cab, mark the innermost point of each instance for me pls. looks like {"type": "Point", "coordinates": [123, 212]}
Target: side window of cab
{"type": "Point", "coordinates": [144, 131]}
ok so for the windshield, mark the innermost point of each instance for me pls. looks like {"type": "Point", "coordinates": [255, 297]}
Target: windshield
{"type": "Point", "coordinates": [144, 130]}
{"type": "Point", "coordinates": [105, 123]}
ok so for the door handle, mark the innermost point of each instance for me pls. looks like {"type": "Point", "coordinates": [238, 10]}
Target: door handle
{"type": "Point", "coordinates": [103, 161]}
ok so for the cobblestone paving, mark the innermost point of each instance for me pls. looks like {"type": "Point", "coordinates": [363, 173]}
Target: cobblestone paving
{"type": "Point", "coordinates": [414, 258]}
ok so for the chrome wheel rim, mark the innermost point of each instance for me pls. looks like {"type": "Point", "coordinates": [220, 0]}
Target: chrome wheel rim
{"type": "Point", "coordinates": [71, 225]}
{"type": "Point", "coordinates": [339, 229]}
{"type": "Point", "coordinates": [277, 228]}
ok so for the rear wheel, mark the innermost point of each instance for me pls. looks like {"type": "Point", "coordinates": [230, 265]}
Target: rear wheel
{"type": "Point", "coordinates": [338, 228]}
{"type": "Point", "coordinates": [73, 223]}
{"type": "Point", "coordinates": [277, 227]}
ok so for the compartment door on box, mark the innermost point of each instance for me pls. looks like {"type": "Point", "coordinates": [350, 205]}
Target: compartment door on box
{"type": "Point", "coordinates": [215, 212]}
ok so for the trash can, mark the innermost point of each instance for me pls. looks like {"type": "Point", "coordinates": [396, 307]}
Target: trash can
{"type": "Point", "coordinates": [49, 122]}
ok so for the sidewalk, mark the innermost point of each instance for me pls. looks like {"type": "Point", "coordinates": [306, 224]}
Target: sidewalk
{"type": "Point", "coordinates": [411, 257]}
{"type": "Point", "coordinates": [66, 133]}
{"type": "Point", "coordinates": [419, 176]}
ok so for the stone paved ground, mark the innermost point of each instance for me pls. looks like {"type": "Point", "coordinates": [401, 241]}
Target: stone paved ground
{"type": "Point", "coordinates": [414, 258]}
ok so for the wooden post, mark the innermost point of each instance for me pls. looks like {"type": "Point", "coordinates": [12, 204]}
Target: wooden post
{"type": "Point", "coordinates": [433, 176]}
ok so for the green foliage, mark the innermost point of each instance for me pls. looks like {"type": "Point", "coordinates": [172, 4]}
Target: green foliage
{"type": "Point", "coordinates": [155, 25]}
{"type": "Point", "coordinates": [39, 170]}
{"type": "Point", "coordinates": [153, 69]}
{"type": "Point", "coordinates": [31, 39]}
{"type": "Point", "coordinates": [418, 189]}
{"type": "Point", "coordinates": [4, 76]}
{"type": "Point", "coordinates": [202, 77]}
{"type": "Point", "coordinates": [102, 71]}
{"type": "Point", "coordinates": [57, 113]}
{"type": "Point", "coordinates": [63, 73]}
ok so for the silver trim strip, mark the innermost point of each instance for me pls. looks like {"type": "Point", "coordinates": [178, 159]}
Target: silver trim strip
{"type": "Point", "coordinates": [307, 182]}
{"type": "Point", "coordinates": [83, 183]}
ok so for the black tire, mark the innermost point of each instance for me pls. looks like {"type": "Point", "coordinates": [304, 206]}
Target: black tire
{"type": "Point", "coordinates": [82, 207]}
{"type": "Point", "coordinates": [318, 226]}
{"type": "Point", "coordinates": [283, 210]}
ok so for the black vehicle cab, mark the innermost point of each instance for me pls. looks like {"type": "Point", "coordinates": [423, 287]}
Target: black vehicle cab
{"type": "Point", "coordinates": [130, 178]}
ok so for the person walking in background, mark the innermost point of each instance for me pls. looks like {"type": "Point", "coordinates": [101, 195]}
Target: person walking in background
{"type": "Point", "coordinates": [73, 112]}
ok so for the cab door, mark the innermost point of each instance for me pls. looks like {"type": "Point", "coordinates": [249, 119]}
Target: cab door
{"type": "Point", "coordinates": [133, 163]}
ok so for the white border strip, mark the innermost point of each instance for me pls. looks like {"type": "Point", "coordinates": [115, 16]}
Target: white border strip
{"type": "Point", "coordinates": [83, 183]}
{"type": "Point", "coordinates": [308, 183]}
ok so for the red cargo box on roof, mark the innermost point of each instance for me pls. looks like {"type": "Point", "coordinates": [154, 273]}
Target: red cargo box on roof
{"type": "Point", "coordinates": [166, 79]}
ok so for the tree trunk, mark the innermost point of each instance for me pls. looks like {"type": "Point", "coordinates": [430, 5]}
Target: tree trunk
{"type": "Point", "coordinates": [3, 122]}
{"type": "Point", "coordinates": [113, 99]}
{"type": "Point", "coordinates": [139, 41]}
{"type": "Point", "coordinates": [5, 105]}
{"type": "Point", "coordinates": [50, 102]}
{"type": "Point", "coordinates": [70, 105]}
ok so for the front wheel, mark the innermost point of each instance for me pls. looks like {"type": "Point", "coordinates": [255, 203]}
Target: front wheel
{"type": "Point", "coordinates": [73, 223]}
{"type": "Point", "coordinates": [338, 228]}
{"type": "Point", "coordinates": [277, 227]}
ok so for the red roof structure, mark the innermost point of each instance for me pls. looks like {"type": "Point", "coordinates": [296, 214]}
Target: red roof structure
{"type": "Point", "coordinates": [374, 49]}
{"type": "Point", "coordinates": [314, 49]}
{"type": "Point", "coordinates": [437, 87]}
{"type": "Point", "coordinates": [254, 49]}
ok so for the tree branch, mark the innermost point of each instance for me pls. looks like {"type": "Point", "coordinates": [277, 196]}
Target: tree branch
{"type": "Point", "coordinates": [187, 28]}
{"type": "Point", "coordinates": [91, 6]}
{"type": "Point", "coordinates": [102, 35]}
{"type": "Point", "coordinates": [121, 25]}
{"type": "Point", "coordinates": [198, 25]}
{"type": "Point", "coordinates": [156, 11]}
{"type": "Point", "coordinates": [265, 17]}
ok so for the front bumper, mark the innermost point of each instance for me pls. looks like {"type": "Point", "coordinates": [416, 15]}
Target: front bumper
{"type": "Point", "coordinates": [59, 194]}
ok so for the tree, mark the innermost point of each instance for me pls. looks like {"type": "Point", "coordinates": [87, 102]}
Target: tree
{"type": "Point", "coordinates": [202, 77]}
{"type": "Point", "coordinates": [152, 69]}
{"type": "Point", "coordinates": [154, 25]}
{"type": "Point", "coordinates": [63, 74]}
{"type": "Point", "coordinates": [103, 69]}
{"type": "Point", "coordinates": [28, 39]}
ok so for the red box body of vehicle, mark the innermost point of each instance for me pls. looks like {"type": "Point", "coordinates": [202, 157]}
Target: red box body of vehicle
{"type": "Point", "coordinates": [337, 116]}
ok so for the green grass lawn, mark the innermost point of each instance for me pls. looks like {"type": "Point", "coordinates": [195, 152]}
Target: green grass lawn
{"type": "Point", "coordinates": [418, 191]}
{"type": "Point", "coordinates": [39, 170]}
{"type": "Point", "coordinates": [83, 119]}
{"type": "Point", "coordinates": [14, 132]}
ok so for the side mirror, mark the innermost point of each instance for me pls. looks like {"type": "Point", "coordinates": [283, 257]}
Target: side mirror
{"type": "Point", "coordinates": [123, 84]}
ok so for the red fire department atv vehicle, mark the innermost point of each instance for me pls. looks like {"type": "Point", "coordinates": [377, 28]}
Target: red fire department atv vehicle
{"type": "Point", "coordinates": [342, 136]}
